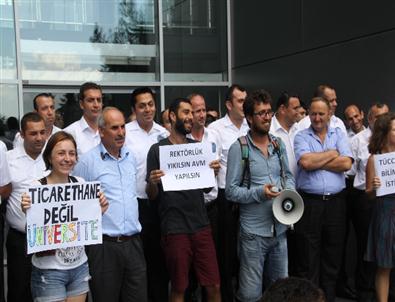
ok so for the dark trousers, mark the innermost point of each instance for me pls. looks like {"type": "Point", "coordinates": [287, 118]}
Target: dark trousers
{"type": "Point", "coordinates": [19, 267]}
{"type": "Point", "coordinates": [361, 208]}
{"type": "Point", "coordinates": [228, 221]}
{"type": "Point", "coordinates": [319, 240]}
{"type": "Point", "coordinates": [118, 271]}
{"type": "Point", "coordinates": [157, 276]}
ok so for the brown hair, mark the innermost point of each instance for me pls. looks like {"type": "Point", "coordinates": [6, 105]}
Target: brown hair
{"type": "Point", "coordinates": [381, 128]}
{"type": "Point", "coordinates": [53, 140]}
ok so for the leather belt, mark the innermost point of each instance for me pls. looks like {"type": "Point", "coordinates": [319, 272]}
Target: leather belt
{"type": "Point", "coordinates": [321, 197]}
{"type": "Point", "coordinates": [119, 239]}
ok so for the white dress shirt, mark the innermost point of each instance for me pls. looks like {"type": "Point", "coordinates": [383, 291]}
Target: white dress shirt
{"type": "Point", "coordinates": [211, 136]}
{"type": "Point", "coordinates": [85, 137]}
{"type": "Point", "coordinates": [18, 140]}
{"type": "Point", "coordinates": [351, 133]}
{"type": "Point", "coordinates": [139, 142]}
{"type": "Point", "coordinates": [228, 134]}
{"type": "Point", "coordinates": [288, 139]}
{"type": "Point", "coordinates": [5, 177]}
{"type": "Point", "coordinates": [334, 122]}
{"type": "Point", "coordinates": [359, 148]}
{"type": "Point", "coordinates": [23, 170]}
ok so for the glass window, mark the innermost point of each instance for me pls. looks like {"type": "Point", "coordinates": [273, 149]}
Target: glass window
{"type": "Point", "coordinates": [68, 109]}
{"type": "Point", "coordinates": [195, 40]}
{"type": "Point", "coordinates": [80, 40]}
{"type": "Point", "coordinates": [8, 101]}
{"type": "Point", "coordinates": [213, 96]}
{"type": "Point", "coordinates": [7, 45]}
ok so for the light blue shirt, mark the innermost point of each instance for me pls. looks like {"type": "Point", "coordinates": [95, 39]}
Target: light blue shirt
{"type": "Point", "coordinates": [256, 215]}
{"type": "Point", "coordinates": [319, 181]}
{"type": "Point", "coordinates": [118, 182]}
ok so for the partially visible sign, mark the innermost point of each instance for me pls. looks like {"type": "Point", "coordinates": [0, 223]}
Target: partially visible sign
{"type": "Point", "coordinates": [385, 170]}
{"type": "Point", "coordinates": [63, 215]}
{"type": "Point", "coordinates": [186, 166]}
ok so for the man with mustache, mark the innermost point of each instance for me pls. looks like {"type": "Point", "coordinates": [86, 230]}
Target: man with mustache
{"type": "Point", "coordinates": [117, 266]}
{"type": "Point", "coordinates": [25, 164]}
{"type": "Point", "coordinates": [263, 241]}
{"type": "Point", "coordinates": [186, 233]}
{"type": "Point", "coordinates": [44, 105]}
{"type": "Point", "coordinates": [85, 130]}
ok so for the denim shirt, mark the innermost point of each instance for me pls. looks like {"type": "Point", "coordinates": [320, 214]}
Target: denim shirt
{"type": "Point", "coordinates": [118, 182]}
{"type": "Point", "coordinates": [256, 215]}
{"type": "Point", "coordinates": [320, 181]}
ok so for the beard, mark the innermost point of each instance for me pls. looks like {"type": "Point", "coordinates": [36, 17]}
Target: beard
{"type": "Point", "coordinates": [260, 130]}
{"type": "Point", "coordinates": [179, 126]}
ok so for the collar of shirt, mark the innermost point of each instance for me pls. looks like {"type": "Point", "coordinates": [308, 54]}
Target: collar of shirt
{"type": "Point", "coordinates": [329, 133]}
{"type": "Point", "coordinates": [124, 152]}
{"type": "Point", "coordinates": [228, 122]}
{"type": "Point", "coordinates": [270, 147]}
{"type": "Point", "coordinates": [20, 152]}
{"type": "Point", "coordinates": [85, 126]}
{"type": "Point", "coordinates": [134, 126]}
{"type": "Point", "coordinates": [276, 126]}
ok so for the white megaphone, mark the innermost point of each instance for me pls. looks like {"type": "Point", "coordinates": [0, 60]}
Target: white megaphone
{"type": "Point", "coordinates": [288, 207]}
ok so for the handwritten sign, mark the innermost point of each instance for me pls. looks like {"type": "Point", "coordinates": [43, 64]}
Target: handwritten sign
{"type": "Point", "coordinates": [186, 166]}
{"type": "Point", "coordinates": [63, 215]}
{"type": "Point", "coordinates": [385, 169]}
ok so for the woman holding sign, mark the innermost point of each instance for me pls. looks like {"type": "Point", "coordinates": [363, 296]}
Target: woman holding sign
{"type": "Point", "coordinates": [60, 274]}
{"type": "Point", "coordinates": [381, 240]}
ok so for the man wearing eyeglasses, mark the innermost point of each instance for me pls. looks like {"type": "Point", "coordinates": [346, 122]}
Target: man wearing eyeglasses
{"type": "Point", "coordinates": [263, 243]}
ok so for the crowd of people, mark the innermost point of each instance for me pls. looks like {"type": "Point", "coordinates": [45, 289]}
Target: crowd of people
{"type": "Point", "coordinates": [221, 243]}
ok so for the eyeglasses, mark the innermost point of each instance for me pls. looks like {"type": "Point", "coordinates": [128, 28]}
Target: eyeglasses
{"type": "Point", "coordinates": [263, 113]}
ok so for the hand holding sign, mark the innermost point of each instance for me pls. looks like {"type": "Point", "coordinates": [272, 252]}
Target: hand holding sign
{"type": "Point", "coordinates": [187, 166]}
{"type": "Point", "coordinates": [385, 170]}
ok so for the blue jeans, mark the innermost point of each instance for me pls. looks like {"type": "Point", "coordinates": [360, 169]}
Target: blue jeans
{"type": "Point", "coordinates": [262, 260]}
{"type": "Point", "coordinates": [57, 285]}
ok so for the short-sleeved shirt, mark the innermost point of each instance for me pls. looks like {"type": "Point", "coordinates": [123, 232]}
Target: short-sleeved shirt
{"type": "Point", "coordinates": [5, 177]}
{"type": "Point", "coordinates": [180, 212]}
{"type": "Point", "coordinates": [320, 181]}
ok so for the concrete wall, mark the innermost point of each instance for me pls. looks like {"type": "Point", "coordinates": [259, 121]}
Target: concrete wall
{"type": "Point", "coordinates": [295, 45]}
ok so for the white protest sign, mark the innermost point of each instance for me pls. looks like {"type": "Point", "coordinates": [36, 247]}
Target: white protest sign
{"type": "Point", "coordinates": [186, 166]}
{"type": "Point", "coordinates": [385, 170]}
{"type": "Point", "coordinates": [63, 215]}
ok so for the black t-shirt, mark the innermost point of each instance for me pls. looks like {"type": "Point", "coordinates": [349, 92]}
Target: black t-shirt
{"type": "Point", "coordinates": [179, 211]}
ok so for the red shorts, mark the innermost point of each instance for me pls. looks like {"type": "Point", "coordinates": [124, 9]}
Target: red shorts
{"type": "Point", "coordinates": [183, 250]}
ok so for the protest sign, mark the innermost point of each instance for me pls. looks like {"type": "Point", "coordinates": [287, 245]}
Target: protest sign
{"type": "Point", "coordinates": [385, 170]}
{"type": "Point", "coordinates": [63, 215]}
{"type": "Point", "coordinates": [186, 166]}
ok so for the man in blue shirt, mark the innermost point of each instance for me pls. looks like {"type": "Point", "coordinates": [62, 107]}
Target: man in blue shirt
{"type": "Point", "coordinates": [323, 155]}
{"type": "Point", "coordinates": [117, 266]}
{"type": "Point", "coordinates": [263, 244]}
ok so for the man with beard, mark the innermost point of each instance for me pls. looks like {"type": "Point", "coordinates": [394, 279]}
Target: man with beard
{"type": "Point", "coordinates": [323, 155]}
{"type": "Point", "coordinates": [117, 266]}
{"type": "Point", "coordinates": [263, 242]}
{"type": "Point", "coordinates": [25, 164]}
{"type": "Point", "coordinates": [186, 232]}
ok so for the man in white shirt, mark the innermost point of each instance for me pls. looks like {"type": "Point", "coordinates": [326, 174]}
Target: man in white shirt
{"type": "Point", "coordinates": [229, 128]}
{"type": "Point", "coordinates": [25, 165]}
{"type": "Point", "coordinates": [284, 125]}
{"type": "Point", "coordinates": [5, 190]}
{"type": "Point", "coordinates": [44, 105]}
{"type": "Point", "coordinates": [362, 206]}
{"type": "Point", "coordinates": [354, 120]}
{"type": "Point", "coordinates": [141, 134]}
{"type": "Point", "coordinates": [86, 130]}
{"type": "Point", "coordinates": [329, 94]}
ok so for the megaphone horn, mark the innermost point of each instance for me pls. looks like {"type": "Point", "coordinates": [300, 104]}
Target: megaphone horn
{"type": "Point", "coordinates": [288, 207]}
